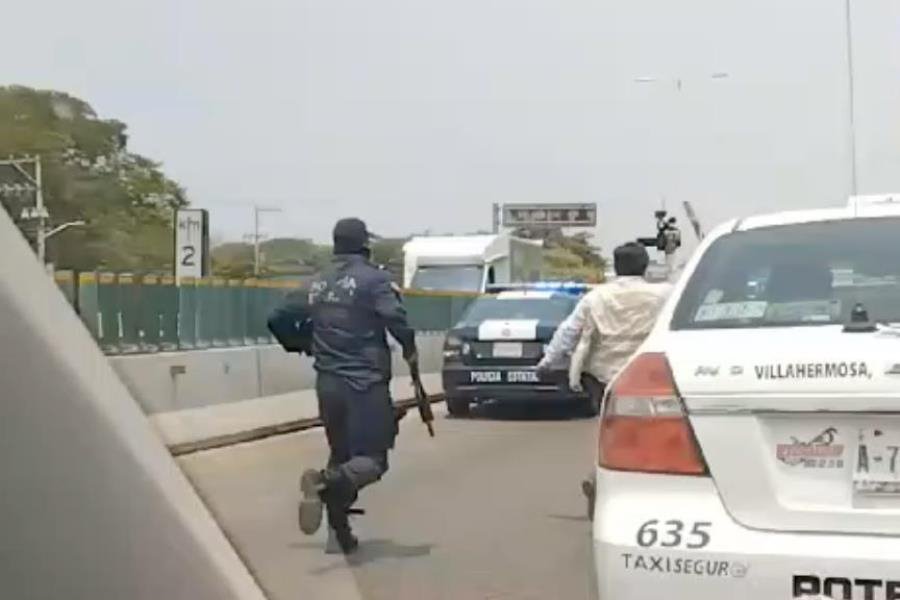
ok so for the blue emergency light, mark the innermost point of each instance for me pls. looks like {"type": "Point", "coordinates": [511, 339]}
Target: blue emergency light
{"type": "Point", "coordinates": [570, 288]}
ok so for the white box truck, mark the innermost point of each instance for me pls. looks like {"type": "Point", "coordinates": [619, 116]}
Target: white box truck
{"type": "Point", "coordinates": [470, 263]}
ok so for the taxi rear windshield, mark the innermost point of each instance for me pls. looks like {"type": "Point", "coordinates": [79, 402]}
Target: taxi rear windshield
{"type": "Point", "coordinates": [553, 310]}
{"type": "Point", "coordinates": [796, 275]}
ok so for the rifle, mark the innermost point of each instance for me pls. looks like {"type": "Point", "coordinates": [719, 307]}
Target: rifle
{"type": "Point", "coordinates": [422, 398]}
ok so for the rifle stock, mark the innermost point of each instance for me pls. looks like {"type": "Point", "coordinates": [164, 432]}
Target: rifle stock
{"type": "Point", "coordinates": [422, 401]}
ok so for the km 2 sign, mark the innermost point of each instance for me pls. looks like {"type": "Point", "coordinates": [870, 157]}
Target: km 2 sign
{"type": "Point", "coordinates": [191, 243]}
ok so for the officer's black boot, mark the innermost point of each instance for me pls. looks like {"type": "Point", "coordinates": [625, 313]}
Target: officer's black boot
{"type": "Point", "coordinates": [338, 495]}
{"type": "Point", "coordinates": [340, 536]}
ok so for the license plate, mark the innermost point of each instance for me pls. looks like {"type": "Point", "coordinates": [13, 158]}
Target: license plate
{"type": "Point", "coordinates": [501, 377]}
{"type": "Point", "coordinates": [507, 350]}
{"type": "Point", "coordinates": [877, 466]}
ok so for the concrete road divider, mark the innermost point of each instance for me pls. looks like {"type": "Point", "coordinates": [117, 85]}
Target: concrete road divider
{"type": "Point", "coordinates": [208, 427]}
{"type": "Point", "coordinates": [170, 381]}
{"type": "Point", "coordinates": [220, 396]}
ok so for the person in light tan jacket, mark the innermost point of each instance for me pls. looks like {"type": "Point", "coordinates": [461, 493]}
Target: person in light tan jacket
{"type": "Point", "coordinates": [618, 318]}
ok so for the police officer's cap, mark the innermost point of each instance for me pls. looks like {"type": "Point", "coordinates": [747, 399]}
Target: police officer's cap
{"type": "Point", "coordinates": [351, 236]}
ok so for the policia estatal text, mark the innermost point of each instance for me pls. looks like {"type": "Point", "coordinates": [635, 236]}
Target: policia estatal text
{"type": "Point", "coordinates": [341, 319]}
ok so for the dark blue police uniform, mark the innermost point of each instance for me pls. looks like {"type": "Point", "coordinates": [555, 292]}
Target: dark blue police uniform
{"type": "Point", "coordinates": [342, 319]}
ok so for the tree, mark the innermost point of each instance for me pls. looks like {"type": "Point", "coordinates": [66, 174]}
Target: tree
{"type": "Point", "coordinates": [279, 256]}
{"type": "Point", "coordinates": [233, 260]}
{"type": "Point", "coordinates": [291, 256]}
{"type": "Point", "coordinates": [388, 252]}
{"type": "Point", "coordinates": [88, 174]}
{"type": "Point", "coordinates": [567, 256]}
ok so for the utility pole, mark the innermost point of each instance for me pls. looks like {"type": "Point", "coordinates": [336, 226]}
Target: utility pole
{"type": "Point", "coordinates": [255, 241]}
{"type": "Point", "coordinates": [257, 236]}
{"type": "Point", "coordinates": [32, 183]}
{"type": "Point", "coordinates": [41, 211]}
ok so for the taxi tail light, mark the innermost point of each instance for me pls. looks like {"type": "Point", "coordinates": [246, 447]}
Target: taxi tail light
{"type": "Point", "coordinates": [644, 426]}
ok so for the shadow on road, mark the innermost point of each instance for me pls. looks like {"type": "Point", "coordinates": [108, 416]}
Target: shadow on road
{"type": "Point", "coordinates": [511, 411]}
{"type": "Point", "coordinates": [369, 551]}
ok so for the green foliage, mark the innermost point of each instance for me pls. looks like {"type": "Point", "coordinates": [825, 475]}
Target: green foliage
{"type": "Point", "coordinates": [562, 264]}
{"type": "Point", "coordinates": [568, 257]}
{"type": "Point", "coordinates": [232, 260]}
{"type": "Point", "coordinates": [280, 256]}
{"type": "Point", "coordinates": [290, 256]}
{"type": "Point", "coordinates": [89, 175]}
{"type": "Point", "coordinates": [388, 252]}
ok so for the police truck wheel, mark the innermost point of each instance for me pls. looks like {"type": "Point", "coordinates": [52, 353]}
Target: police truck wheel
{"type": "Point", "coordinates": [591, 406]}
{"type": "Point", "coordinates": [458, 407]}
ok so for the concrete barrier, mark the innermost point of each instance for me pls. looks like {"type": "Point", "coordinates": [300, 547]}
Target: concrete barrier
{"type": "Point", "coordinates": [180, 380]}
{"type": "Point", "coordinates": [174, 381]}
{"type": "Point", "coordinates": [282, 372]}
{"type": "Point", "coordinates": [93, 506]}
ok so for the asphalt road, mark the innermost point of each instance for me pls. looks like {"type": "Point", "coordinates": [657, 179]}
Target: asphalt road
{"type": "Point", "coordinates": [490, 509]}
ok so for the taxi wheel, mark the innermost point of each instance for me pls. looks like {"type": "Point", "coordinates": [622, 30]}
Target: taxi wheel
{"type": "Point", "coordinates": [458, 407]}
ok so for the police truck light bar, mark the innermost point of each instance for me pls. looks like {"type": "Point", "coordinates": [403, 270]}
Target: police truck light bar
{"type": "Point", "coordinates": [562, 287]}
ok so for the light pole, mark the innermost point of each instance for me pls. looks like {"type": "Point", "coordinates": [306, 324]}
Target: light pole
{"type": "Point", "coordinates": [62, 227]}
{"type": "Point", "coordinates": [671, 244]}
{"type": "Point", "coordinates": [40, 215]}
{"type": "Point", "coordinates": [848, 31]}
{"type": "Point", "coordinates": [49, 234]}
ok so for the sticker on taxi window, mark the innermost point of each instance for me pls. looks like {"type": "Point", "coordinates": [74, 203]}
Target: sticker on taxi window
{"type": "Point", "coordinates": [713, 297]}
{"type": "Point", "coordinates": [729, 311]}
{"type": "Point", "coordinates": [808, 311]}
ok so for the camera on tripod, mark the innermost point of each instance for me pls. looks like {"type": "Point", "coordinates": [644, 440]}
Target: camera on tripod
{"type": "Point", "coordinates": [668, 236]}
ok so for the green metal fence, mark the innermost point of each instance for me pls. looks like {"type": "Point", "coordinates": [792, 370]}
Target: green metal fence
{"type": "Point", "coordinates": [168, 313]}
{"type": "Point", "coordinates": [68, 285]}
{"type": "Point", "coordinates": [127, 313]}
{"type": "Point", "coordinates": [187, 313]}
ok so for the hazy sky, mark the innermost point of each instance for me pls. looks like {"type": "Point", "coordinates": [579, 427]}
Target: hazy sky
{"type": "Point", "coordinates": [417, 114]}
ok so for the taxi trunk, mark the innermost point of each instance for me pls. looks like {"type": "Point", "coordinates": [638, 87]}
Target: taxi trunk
{"type": "Point", "coordinates": [799, 427]}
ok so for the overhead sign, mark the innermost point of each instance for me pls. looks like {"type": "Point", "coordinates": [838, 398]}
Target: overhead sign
{"type": "Point", "coordinates": [549, 215]}
{"type": "Point", "coordinates": [191, 243]}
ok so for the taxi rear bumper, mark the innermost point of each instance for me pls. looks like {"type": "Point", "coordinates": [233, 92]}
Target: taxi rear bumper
{"type": "Point", "coordinates": [689, 546]}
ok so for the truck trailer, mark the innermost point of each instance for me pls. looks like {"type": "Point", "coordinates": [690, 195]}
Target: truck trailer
{"type": "Point", "coordinates": [470, 263]}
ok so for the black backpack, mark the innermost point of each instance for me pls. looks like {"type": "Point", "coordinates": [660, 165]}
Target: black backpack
{"type": "Point", "coordinates": [294, 334]}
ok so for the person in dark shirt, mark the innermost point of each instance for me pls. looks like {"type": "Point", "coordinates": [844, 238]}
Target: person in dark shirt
{"type": "Point", "coordinates": [342, 319]}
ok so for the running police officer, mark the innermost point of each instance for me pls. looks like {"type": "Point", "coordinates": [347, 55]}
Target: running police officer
{"type": "Point", "coordinates": [341, 318]}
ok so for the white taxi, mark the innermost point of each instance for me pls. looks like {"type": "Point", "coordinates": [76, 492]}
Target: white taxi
{"type": "Point", "coordinates": [751, 448]}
